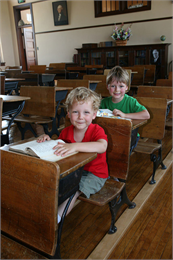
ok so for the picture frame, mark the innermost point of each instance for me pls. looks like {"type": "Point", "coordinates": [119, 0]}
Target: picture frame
{"type": "Point", "coordinates": [21, 1]}
{"type": "Point", "coordinates": [60, 13]}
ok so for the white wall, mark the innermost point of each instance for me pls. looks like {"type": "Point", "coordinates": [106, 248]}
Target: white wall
{"type": "Point", "coordinates": [60, 46]}
{"type": "Point", "coordinates": [6, 33]}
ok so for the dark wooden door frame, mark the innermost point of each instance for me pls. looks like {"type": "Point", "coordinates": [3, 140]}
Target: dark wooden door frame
{"type": "Point", "coordinates": [17, 17]}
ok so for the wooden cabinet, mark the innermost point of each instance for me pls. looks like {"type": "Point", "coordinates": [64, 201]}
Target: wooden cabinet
{"type": "Point", "coordinates": [127, 56]}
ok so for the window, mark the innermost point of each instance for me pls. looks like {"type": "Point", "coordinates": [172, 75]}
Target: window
{"type": "Point", "coordinates": [111, 7]}
{"type": "Point", "coordinates": [26, 16]}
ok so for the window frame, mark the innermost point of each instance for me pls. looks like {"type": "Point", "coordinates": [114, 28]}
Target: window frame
{"type": "Point", "coordinates": [123, 8]}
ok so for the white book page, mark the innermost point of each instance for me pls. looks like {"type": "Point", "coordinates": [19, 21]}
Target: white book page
{"type": "Point", "coordinates": [105, 113]}
{"type": "Point", "coordinates": [44, 150]}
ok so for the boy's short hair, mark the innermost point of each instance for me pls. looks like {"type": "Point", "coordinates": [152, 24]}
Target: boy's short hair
{"type": "Point", "coordinates": [118, 73]}
{"type": "Point", "coordinates": [82, 94]}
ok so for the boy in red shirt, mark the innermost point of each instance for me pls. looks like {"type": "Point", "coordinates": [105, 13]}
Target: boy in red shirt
{"type": "Point", "coordinates": [83, 136]}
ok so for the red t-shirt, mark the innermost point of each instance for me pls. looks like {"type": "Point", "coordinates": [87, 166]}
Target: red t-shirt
{"type": "Point", "coordinates": [94, 132]}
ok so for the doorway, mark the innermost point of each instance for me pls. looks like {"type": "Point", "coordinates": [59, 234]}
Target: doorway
{"type": "Point", "coordinates": [25, 35]}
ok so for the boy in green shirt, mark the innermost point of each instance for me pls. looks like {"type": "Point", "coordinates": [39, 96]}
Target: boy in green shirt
{"type": "Point", "coordinates": [120, 103]}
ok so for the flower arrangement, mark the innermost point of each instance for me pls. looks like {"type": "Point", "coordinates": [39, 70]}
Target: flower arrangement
{"type": "Point", "coordinates": [121, 34]}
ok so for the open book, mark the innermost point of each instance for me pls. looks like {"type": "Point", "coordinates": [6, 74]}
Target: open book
{"type": "Point", "coordinates": [41, 150]}
{"type": "Point", "coordinates": [106, 113]}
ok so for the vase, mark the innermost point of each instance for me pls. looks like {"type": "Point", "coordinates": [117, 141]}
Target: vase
{"type": "Point", "coordinates": [121, 42]}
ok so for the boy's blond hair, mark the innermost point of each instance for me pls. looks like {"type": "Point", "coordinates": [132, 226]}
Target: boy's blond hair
{"type": "Point", "coordinates": [118, 73]}
{"type": "Point", "coordinates": [82, 94]}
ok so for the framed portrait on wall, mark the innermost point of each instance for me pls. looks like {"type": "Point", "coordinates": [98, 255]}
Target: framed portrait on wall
{"type": "Point", "coordinates": [60, 13]}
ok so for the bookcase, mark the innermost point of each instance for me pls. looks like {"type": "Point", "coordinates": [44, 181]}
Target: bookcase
{"type": "Point", "coordinates": [128, 55]}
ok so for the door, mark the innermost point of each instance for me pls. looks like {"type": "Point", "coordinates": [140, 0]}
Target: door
{"type": "Point", "coordinates": [25, 35]}
{"type": "Point", "coordinates": [29, 47]}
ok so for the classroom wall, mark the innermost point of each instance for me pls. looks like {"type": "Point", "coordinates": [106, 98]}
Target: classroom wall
{"type": "Point", "coordinates": [58, 43]}
{"type": "Point", "coordinates": [6, 34]}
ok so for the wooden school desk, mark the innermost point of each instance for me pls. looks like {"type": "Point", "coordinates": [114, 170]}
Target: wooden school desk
{"type": "Point", "coordinates": [40, 186]}
{"type": "Point", "coordinates": [43, 106]}
{"type": "Point", "coordinates": [12, 84]}
{"type": "Point", "coordinates": [12, 105]}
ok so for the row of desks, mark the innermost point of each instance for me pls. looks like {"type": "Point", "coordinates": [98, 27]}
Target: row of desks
{"type": "Point", "coordinates": [14, 105]}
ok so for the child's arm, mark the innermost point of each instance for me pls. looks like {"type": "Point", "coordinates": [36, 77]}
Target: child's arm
{"type": "Point", "coordinates": [63, 149]}
{"type": "Point", "coordinates": [43, 138]}
{"type": "Point", "coordinates": [139, 115]}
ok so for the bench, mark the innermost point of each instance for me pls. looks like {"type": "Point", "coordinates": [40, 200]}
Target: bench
{"type": "Point", "coordinates": [154, 130]}
{"type": "Point", "coordinates": [40, 109]}
{"type": "Point", "coordinates": [118, 153]}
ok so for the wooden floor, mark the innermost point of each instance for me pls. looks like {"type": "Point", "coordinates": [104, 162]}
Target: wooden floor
{"type": "Point", "coordinates": [149, 237]}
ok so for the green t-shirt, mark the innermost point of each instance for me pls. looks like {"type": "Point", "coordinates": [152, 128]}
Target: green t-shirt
{"type": "Point", "coordinates": [127, 105]}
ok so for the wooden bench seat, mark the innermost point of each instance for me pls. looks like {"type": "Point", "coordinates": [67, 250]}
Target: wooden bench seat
{"type": "Point", "coordinates": [147, 148]}
{"type": "Point", "coordinates": [118, 153]}
{"type": "Point", "coordinates": [154, 130]}
{"type": "Point", "coordinates": [30, 119]}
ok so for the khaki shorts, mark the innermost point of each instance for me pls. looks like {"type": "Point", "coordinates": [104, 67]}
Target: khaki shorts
{"type": "Point", "coordinates": [90, 184]}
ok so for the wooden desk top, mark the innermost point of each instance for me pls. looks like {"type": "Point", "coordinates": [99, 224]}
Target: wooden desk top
{"type": "Point", "coordinates": [138, 122]}
{"type": "Point", "coordinates": [95, 81]}
{"type": "Point", "coordinates": [13, 98]}
{"type": "Point", "coordinates": [14, 79]}
{"type": "Point", "coordinates": [66, 165]}
{"type": "Point", "coordinates": [57, 88]}
{"type": "Point", "coordinates": [72, 163]}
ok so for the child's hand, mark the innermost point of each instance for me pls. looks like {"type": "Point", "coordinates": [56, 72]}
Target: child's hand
{"type": "Point", "coordinates": [64, 148]}
{"type": "Point", "coordinates": [43, 138]}
{"type": "Point", "coordinates": [117, 112]}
